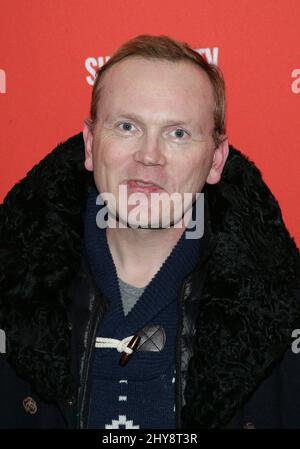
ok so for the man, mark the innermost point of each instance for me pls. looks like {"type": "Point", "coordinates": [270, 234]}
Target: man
{"type": "Point", "coordinates": [137, 325]}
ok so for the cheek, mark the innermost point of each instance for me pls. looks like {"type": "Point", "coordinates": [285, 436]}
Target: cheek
{"type": "Point", "coordinates": [110, 165]}
{"type": "Point", "coordinates": [193, 172]}
{"type": "Point", "coordinates": [108, 155]}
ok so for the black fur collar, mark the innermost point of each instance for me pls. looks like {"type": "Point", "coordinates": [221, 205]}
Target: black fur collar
{"type": "Point", "coordinates": [247, 310]}
{"type": "Point", "coordinates": [250, 303]}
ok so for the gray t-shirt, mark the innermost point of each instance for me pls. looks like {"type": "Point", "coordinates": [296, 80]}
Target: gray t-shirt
{"type": "Point", "coordinates": [130, 295]}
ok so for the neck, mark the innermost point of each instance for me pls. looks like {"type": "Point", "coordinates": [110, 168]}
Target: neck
{"type": "Point", "coordinates": [139, 253]}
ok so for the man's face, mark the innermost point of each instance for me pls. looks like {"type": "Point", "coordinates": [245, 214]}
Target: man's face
{"type": "Point", "coordinates": [154, 124]}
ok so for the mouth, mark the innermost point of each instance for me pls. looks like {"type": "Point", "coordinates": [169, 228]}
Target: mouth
{"type": "Point", "coordinates": [137, 185]}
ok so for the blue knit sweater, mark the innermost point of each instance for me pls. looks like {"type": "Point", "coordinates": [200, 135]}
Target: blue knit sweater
{"type": "Point", "coordinates": [142, 393]}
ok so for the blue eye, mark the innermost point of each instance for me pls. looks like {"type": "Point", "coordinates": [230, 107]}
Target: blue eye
{"type": "Point", "coordinates": [125, 126]}
{"type": "Point", "coordinates": [179, 133]}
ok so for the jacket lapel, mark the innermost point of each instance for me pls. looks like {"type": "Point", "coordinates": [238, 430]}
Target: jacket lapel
{"type": "Point", "coordinates": [41, 230]}
{"type": "Point", "coordinates": [248, 308]}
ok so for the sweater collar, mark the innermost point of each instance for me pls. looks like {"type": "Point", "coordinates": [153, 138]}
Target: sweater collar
{"type": "Point", "coordinates": [158, 294]}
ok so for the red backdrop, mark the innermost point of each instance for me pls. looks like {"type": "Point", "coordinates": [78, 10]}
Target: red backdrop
{"type": "Point", "coordinates": [50, 49]}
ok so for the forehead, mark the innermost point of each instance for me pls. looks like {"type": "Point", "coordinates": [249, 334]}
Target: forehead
{"type": "Point", "coordinates": [157, 87]}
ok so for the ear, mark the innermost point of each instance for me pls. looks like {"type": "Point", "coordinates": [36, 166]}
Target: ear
{"type": "Point", "coordinates": [219, 159]}
{"type": "Point", "coordinates": [88, 144]}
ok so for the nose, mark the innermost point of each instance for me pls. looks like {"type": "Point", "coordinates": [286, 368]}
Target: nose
{"type": "Point", "coordinates": [150, 151]}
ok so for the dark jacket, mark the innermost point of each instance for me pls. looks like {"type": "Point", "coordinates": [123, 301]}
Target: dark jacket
{"type": "Point", "coordinates": [237, 309]}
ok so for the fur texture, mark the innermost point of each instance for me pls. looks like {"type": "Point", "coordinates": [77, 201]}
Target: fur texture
{"type": "Point", "coordinates": [250, 303]}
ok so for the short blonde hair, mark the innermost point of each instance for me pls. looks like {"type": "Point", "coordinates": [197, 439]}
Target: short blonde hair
{"type": "Point", "coordinates": [166, 48]}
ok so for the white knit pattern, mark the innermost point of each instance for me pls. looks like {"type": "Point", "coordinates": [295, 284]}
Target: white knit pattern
{"type": "Point", "coordinates": [121, 421]}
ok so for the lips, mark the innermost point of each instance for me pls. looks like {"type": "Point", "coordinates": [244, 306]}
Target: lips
{"type": "Point", "coordinates": [137, 185]}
